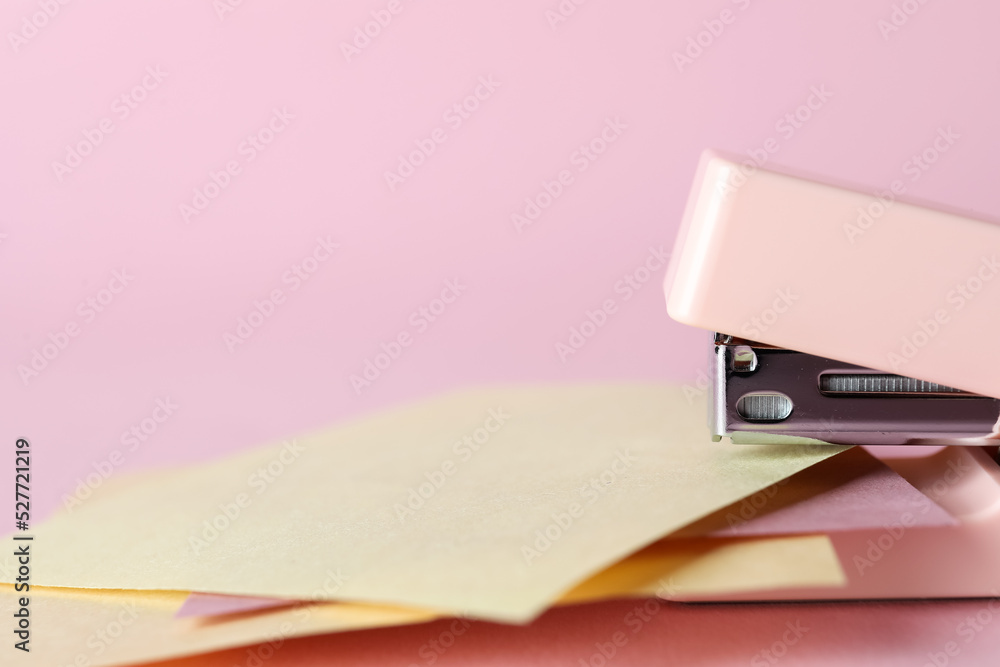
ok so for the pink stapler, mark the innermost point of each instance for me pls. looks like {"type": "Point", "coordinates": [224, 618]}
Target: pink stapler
{"type": "Point", "coordinates": [842, 317]}
{"type": "Point", "coordinates": [850, 318]}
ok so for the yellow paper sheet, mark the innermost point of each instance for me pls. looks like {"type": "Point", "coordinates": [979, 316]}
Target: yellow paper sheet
{"type": "Point", "coordinates": [105, 628]}
{"type": "Point", "coordinates": [486, 503]}
{"type": "Point", "coordinates": [686, 569]}
{"type": "Point", "coordinates": [97, 628]}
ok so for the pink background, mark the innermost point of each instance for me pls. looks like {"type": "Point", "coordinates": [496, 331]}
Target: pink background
{"type": "Point", "coordinates": [910, 634]}
{"type": "Point", "coordinates": [323, 175]}
{"type": "Point", "coordinates": [162, 337]}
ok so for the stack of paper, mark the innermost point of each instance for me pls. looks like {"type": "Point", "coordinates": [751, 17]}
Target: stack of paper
{"type": "Point", "coordinates": [488, 504]}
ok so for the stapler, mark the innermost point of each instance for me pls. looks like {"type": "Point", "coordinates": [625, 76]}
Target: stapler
{"type": "Point", "coordinates": [839, 317]}
{"type": "Point", "coordinates": [850, 318]}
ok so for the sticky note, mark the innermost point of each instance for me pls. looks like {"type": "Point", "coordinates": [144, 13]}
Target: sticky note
{"type": "Point", "coordinates": [670, 568]}
{"type": "Point", "coordinates": [96, 628]}
{"type": "Point", "coordinates": [100, 628]}
{"type": "Point", "coordinates": [686, 568]}
{"type": "Point", "coordinates": [489, 503]}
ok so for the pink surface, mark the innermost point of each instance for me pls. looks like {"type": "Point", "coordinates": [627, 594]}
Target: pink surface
{"type": "Point", "coordinates": [206, 83]}
{"type": "Point", "coordinates": [212, 604]}
{"type": "Point", "coordinates": [912, 634]}
{"type": "Point", "coordinates": [862, 494]}
{"type": "Point", "coordinates": [902, 559]}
